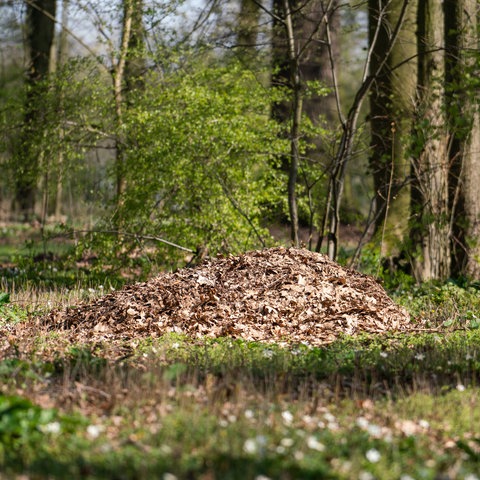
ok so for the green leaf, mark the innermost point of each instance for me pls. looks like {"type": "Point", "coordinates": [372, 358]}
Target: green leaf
{"type": "Point", "coordinates": [4, 298]}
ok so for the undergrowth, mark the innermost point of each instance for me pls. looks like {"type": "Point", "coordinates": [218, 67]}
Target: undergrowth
{"type": "Point", "coordinates": [396, 406]}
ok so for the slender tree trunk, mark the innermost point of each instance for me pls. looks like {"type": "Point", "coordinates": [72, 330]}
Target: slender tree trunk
{"type": "Point", "coordinates": [128, 78]}
{"type": "Point", "coordinates": [40, 35]}
{"type": "Point", "coordinates": [391, 116]}
{"type": "Point", "coordinates": [462, 40]}
{"type": "Point", "coordinates": [118, 92]}
{"type": "Point", "coordinates": [62, 54]}
{"type": "Point", "coordinates": [430, 230]}
{"type": "Point", "coordinates": [301, 54]}
{"type": "Point", "coordinates": [349, 125]}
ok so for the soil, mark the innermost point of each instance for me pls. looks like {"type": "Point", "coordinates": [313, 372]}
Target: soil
{"type": "Point", "coordinates": [271, 295]}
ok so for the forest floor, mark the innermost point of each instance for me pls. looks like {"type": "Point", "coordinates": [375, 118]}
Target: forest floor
{"type": "Point", "coordinates": [272, 364]}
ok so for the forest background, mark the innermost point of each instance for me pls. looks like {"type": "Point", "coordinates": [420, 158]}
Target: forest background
{"type": "Point", "coordinates": [150, 132]}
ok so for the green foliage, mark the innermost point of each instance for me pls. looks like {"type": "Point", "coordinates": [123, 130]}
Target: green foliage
{"type": "Point", "coordinates": [199, 151]}
{"type": "Point", "coordinates": [9, 312]}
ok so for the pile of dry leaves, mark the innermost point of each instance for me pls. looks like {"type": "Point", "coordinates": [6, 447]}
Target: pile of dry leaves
{"type": "Point", "coordinates": [270, 295]}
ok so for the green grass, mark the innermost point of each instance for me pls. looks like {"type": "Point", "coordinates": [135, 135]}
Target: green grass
{"type": "Point", "coordinates": [231, 409]}
{"type": "Point", "coordinates": [398, 406]}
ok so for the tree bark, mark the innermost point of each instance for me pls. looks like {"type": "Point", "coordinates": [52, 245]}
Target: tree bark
{"type": "Point", "coordinates": [461, 29]}
{"type": "Point", "coordinates": [300, 54]}
{"type": "Point", "coordinates": [349, 126]}
{"type": "Point", "coordinates": [391, 117]}
{"type": "Point", "coordinates": [430, 228]}
{"type": "Point", "coordinates": [40, 35]}
{"type": "Point", "coordinates": [128, 78]}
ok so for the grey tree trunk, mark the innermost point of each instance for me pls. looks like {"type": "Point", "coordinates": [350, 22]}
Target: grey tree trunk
{"type": "Point", "coordinates": [391, 116]}
{"type": "Point", "coordinates": [461, 28]}
{"type": "Point", "coordinates": [430, 227]}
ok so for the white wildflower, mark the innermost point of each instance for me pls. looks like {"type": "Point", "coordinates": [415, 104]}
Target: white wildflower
{"type": "Point", "coordinates": [298, 455]}
{"type": "Point", "coordinates": [169, 476]}
{"type": "Point", "coordinates": [374, 430]}
{"type": "Point", "coordinates": [329, 417]}
{"type": "Point", "coordinates": [286, 442]}
{"type": "Point", "coordinates": [254, 445]}
{"type": "Point", "coordinates": [384, 354]}
{"type": "Point", "coordinates": [53, 427]}
{"type": "Point", "coordinates": [94, 431]}
{"type": "Point", "coordinates": [314, 444]}
{"type": "Point", "coordinates": [362, 423]}
{"type": "Point", "coordinates": [460, 387]}
{"type": "Point", "coordinates": [420, 356]}
{"type": "Point", "coordinates": [250, 446]}
{"type": "Point", "coordinates": [472, 476]}
{"type": "Point", "coordinates": [287, 417]}
{"type": "Point", "coordinates": [373, 455]}
{"type": "Point", "coordinates": [262, 477]}
{"type": "Point", "coordinates": [365, 476]}
{"type": "Point", "coordinates": [249, 414]}
{"type": "Point", "coordinates": [424, 424]}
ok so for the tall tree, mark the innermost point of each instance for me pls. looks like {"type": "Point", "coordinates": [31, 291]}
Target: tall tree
{"type": "Point", "coordinates": [128, 73]}
{"type": "Point", "coordinates": [430, 228]}
{"type": "Point", "coordinates": [303, 53]}
{"type": "Point", "coordinates": [462, 42]}
{"type": "Point", "coordinates": [40, 22]}
{"type": "Point", "coordinates": [391, 114]}
{"type": "Point", "coordinates": [349, 129]}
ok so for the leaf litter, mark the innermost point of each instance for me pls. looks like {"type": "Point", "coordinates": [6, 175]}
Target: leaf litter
{"type": "Point", "coordinates": [270, 295]}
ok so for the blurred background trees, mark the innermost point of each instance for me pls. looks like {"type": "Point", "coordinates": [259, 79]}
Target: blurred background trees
{"type": "Point", "coordinates": [152, 130]}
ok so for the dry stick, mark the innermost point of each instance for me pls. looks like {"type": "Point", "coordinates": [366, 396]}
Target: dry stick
{"type": "Point", "coordinates": [387, 203]}
{"type": "Point", "coordinates": [239, 209]}
{"type": "Point", "coordinates": [136, 236]}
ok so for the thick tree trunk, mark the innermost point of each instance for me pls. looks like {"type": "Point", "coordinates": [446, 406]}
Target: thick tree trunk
{"type": "Point", "coordinates": [40, 35]}
{"type": "Point", "coordinates": [461, 28]}
{"type": "Point", "coordinates": [430, 228]}
{"type": "Point", "coordinates": [391, 117]}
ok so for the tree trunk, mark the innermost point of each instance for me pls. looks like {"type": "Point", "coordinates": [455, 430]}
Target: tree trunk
{"type": "Point", "coordinates": [128, 77]}
{"type": "Point", "coordinates": [349, 125]}
{"type": "Point", "coordinates": [391, 117]}
{"type": "Point", "coordinates": [301, 54]}
{"type": "Point", "coordinates": [40, 35]}
{"type": "Point", "coordinates": [461, 29]}
{"type": "Point", "coordinates": [248, 28]}
{"type": "Point", "coordinates": [430, 228]}
{"type": "Point", "coordinates": [62, 55]}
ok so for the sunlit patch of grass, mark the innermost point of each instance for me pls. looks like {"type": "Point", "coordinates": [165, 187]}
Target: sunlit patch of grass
{"type": "Point", "coordinates": [375, 406]}
{"type": "Point", "coordinates": [276, 439]}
